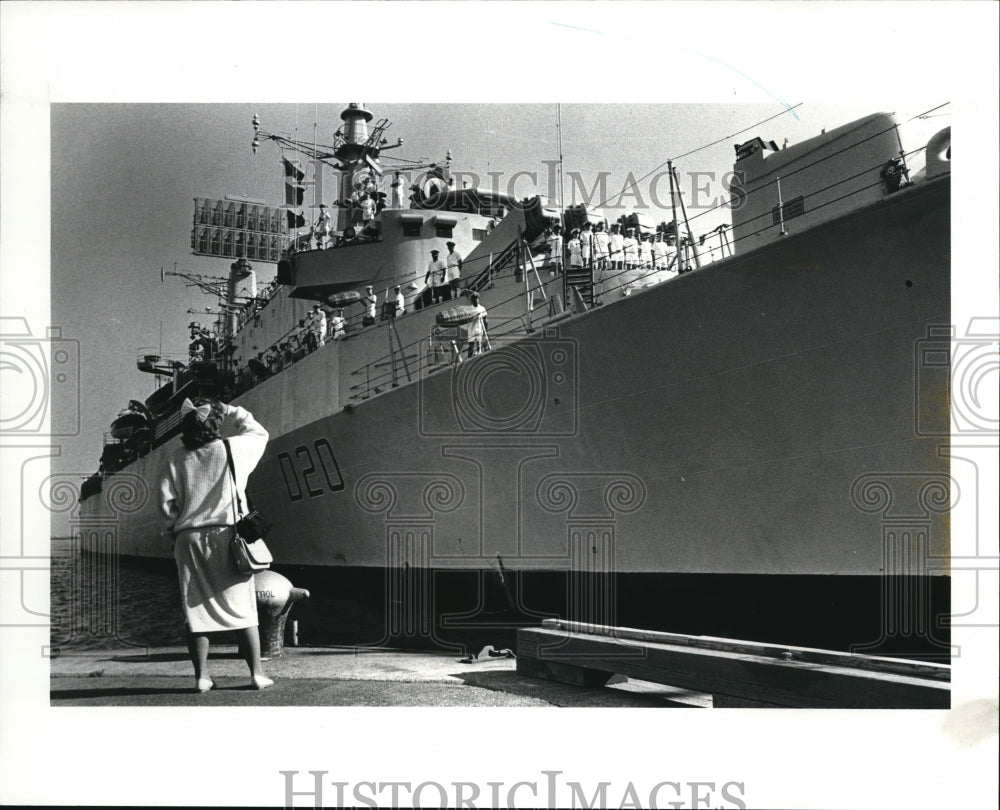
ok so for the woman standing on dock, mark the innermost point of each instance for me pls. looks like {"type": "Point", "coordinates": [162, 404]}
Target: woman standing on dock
{"type": "Point", "coordinates": [197, 499]}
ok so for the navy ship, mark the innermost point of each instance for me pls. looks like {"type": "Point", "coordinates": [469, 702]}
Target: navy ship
{"type": "Point", "coordinates": [748, 447]}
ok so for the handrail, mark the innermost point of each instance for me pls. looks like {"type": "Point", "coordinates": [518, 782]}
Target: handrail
{"type": "Point", "coordinates": [500, 261]}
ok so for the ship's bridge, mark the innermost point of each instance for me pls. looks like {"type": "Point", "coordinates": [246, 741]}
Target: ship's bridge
{"type": "Point", "coordinates": [395, 246]}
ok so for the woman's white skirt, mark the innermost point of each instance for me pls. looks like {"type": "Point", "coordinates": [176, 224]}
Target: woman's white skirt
{"type": "Point", "coordinates": [214, 595]}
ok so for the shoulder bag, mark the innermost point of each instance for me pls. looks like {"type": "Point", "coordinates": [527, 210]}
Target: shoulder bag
{"type": "Point", "coordinates": [249, 551]}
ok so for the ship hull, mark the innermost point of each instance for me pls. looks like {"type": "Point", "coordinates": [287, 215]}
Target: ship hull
{"type": "Point", "coordinates": [714, 454]}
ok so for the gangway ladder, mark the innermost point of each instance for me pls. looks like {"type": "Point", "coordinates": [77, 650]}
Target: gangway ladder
{"type": "Point", "coordinates": [524, 249]}
{"type": "Point", "coordinates": [580, 280]}
{"type": "Point", "coordinates": [393, 333]}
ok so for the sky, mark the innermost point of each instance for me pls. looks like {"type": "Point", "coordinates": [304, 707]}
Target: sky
{"type": "Point", "coordinates": [115, 115]}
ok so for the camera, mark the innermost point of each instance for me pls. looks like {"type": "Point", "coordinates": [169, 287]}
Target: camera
{"type": "Point", "coordinates": [40, 381]}
{"type": "Point", "coordinates": [955, 379]}
{"type": "Point", "coordinates": [524, 386]}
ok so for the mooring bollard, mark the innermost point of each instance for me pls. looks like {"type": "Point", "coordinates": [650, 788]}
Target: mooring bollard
{"type": "Point", "coordinates": [275, 597]}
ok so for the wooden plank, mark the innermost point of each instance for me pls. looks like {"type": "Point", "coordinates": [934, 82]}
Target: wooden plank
{"type": "Point", "coordinates": [940, 672]}
{"type": "Point", "coordinates": [562, 672]}
{"type": "Point", "coordinates": [737, 675]}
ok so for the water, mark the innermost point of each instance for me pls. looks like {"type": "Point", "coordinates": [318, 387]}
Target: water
{"type": "Point", "coordinates": [101, 602]}
{"type": "Point", "coordinates": [97, 602]}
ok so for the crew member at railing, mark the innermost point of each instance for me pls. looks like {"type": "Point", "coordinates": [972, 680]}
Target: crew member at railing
{"type": "Point", "coordinates": [338, 326]}
{"type": "Point", "coordinates": [645, 255]}
{"type": "Point", "coordinates": [454, 262]}
{"type": "Point", "coordinates": [630, 248]}
{"type": "Point", "coordinates": [555, 261]}
{"type": "Point", "coordinates": [400, 301]}
{"type": "Point", "coordinates": [616, 248]}
{"type": "Point", "coordinates": [368, 207]}
{"type": "Point", "coordinates": [587, 243]}
{"type": "Point", "coordinates": [661, 257]}
{"type": "Point", "coordinates": [398, 192]}
{"type": "Point", "coordinates": [601, 247]}
{"type": "Point", "coordinates": [575, 251]}
{"type": "Point", "coordinates": [318, 324]}
{"type": "Point", "coordinates": [602, 250]}
{"type": "Point", "coordinates": [478, 339]}
{"type": "Point", "coordinates": [436, 277]}
{"type": "Point", "coordinates": [349, 237]}
{"type": "Point", "coordinates": [323, 227]}
{"type": "Point", "coordinates": [370, 300]}
{"type": "Point", "coordinates": [273, 359]}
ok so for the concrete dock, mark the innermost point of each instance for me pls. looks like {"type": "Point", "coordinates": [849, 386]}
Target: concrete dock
{"type": "Point", "coordinates": [333, 676]}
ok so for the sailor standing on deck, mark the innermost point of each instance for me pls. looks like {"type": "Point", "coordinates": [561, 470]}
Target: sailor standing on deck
{"type": "Point", "coordinates": [370, 300]}
{"type": "Point", "coordinates": [400, 301]}
{"type": "Point", "coordinates": [367, 208]}
{"type": "Point", "coordinates": [319, 325]}
{"type": "Point", "coordinates": [477, 327]}
{"type": "Point", "coordinates": [661, 257]}
{"type": "Point", "coordinates": [555, 241]}
{"type": "Point", "coordinates": [454, 261]}
{"type": "Point", "coordinates": [436, 276]}
{"type": "Point", "coordinates": [398, 191]}
{"type": "Point", "coordinates": [586, 243]}
{"type": "Point", "coordinates": [575, 250]}
{"type": "Point", "coordinates": [323, 227]}
{"type": "Point", "coordinates": [645, 257]}
{"type": "Point", "coordinates": [338, 326]}
{"type": "Point", "coordinates": [631, 250]}
{"type": "Point", "coordinates": [602, 246]}
{"type": "Point", "coordinates": [616, 246]}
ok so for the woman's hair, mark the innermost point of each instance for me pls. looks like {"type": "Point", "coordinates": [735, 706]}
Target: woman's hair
{"type": "Point", "coordinates": [194, 432]}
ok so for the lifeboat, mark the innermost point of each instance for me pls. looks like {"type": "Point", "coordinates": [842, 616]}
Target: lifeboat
{"type": "Point", "coordinates": [343, 299]}
{"type": "Point", "coordinates": [457, 315]}
{"type": "Point", "coordinates": [131, 421]}
{"type": "Point", "coordinates": [127, 423]}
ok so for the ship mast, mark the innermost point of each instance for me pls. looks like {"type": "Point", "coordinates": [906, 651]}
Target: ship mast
{"type": "Point", "coordinates": [356, 156]}
{"type": "Point", "coordinates": [357, 153]}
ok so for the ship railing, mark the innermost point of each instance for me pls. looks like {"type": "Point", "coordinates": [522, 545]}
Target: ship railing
{"type": "Point", "coordinates": [166, 427]}
{"type": "Point", "coordinates": [443, 348]}
{"type": "Point", "coordinates": [445, 345]}
{"type": "Point", "coordinates": [499, 262]}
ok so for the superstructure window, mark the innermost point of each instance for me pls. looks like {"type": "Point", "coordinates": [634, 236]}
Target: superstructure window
{"type": "Point", "coordinates": [479, 234]}
{"type": "Point", "coordinates": [443, 231]}
{"type": "Point", "coordinates": [411, 228]}
{"type": "Point", "coordinates": [795, 207]}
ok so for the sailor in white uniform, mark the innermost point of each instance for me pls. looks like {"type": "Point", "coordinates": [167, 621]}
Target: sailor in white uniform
{"type": "Point", "coordinates": [398, 190]}
{"type": "Point", "coordinates": [555, 241]}
{"type": "Point", "coordinates": [616, 248]}
{"type": "Point", "coordinates": [575, 250]}
{"type": "Point", "coordinates": [586, 243]}
{"type": "Point", "coordinates": [338, 326]}
{"type": "Point", "coordinates": [454, 262]}
{"type": "Point", "coordinates": [319, 325]}
{"type": "Point", "coordinates": [478, 339]}
{"type": "Point", "coordinates": [370, 300]}
{"type": "Point", "coordinates": [323, 227]}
